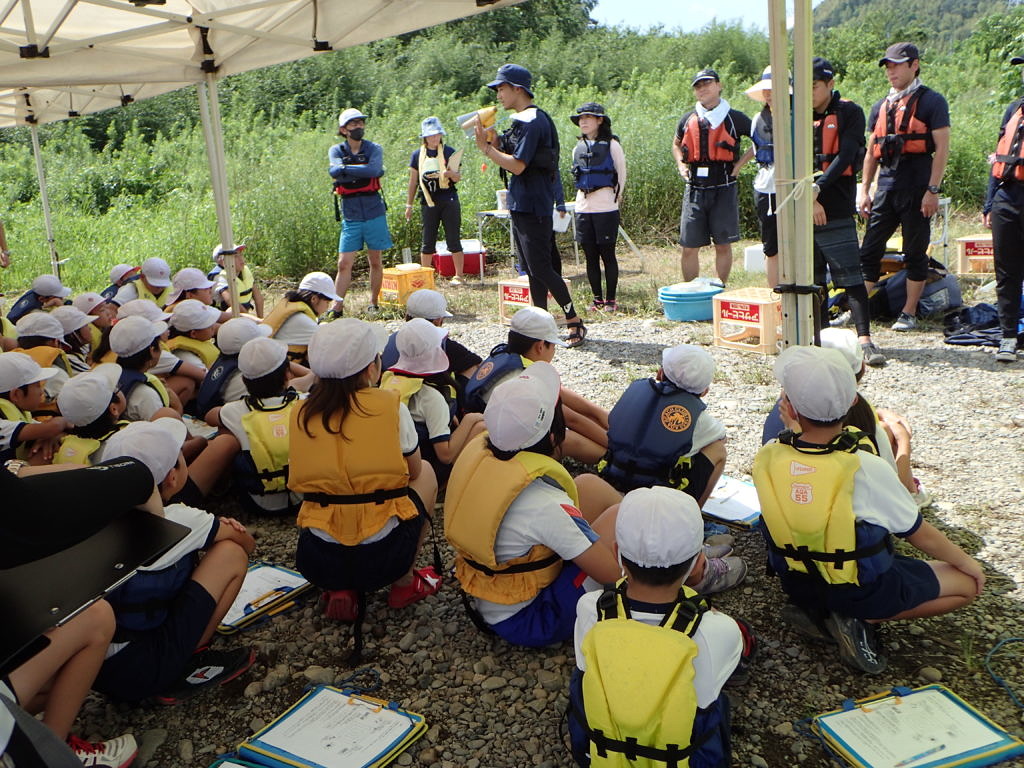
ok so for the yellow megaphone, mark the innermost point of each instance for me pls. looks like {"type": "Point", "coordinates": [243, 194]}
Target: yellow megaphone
{"type": "Point", "coordinates": [485, 117]}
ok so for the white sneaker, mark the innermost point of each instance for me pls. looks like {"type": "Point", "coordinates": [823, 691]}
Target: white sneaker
{"type": "Point", "coordinates": [1007, 352]}
{"type": "Point", "coordinates": [113, 753]}
{"type": "Point", "coordinates": [455, 281]}
{"type": "Point", "coordinates": [905, 322]}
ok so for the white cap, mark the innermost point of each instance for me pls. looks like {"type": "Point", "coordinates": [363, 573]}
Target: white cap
{"type": "Point", "coordinates": [87, 302]}
{"type": "Point", "coordinates": [157, 272]}
{"type": "Point", "coordinates": [231, 336]}
{"type": "Point", "coordinates": [86, 396]}
{"type": "Point", "coordinates": [536, 323]}
{"type": "Point", "coordinates": [845, 341]}
{"type": "Point", "coordinates": [192, 315]}
{"type": "Point", "coordinates": [39, 324]}
{"type": "Point", "coordinates": [348, 115]}
{"type": "Point", "coordinates": [50, 285]}
{"type": "Point", "coordinates": [689, 367]}
{"type": "Point", "coordinates": [344, 347]}
{"type": "Point", "coordinates": [156, 444]}
{"type": "Point", "coordinates": [818, 382]}
{"type": "Point", "coordinates": [118, 271]}
{"type": "Point", "coordinates": [18, 369]}
{"type": "Point", "coordinates": [419, 348]}
{"type": "Point", "coordinates": [190, 279]}
{"type": "Point", "coordinates": [141, 308]}
{"type": "Point", "coordinates": [133, 334]}
{"type": "Point", "coordinates": [520, 410]}
{"type": "Point", "coordinates": [427, 303]}
{"type": "Point", "coordinates": [71, 318]}
{"type": "Point", "coordinates": [658, 527]}
{"type": "Point", "coordinates": [218, 251]}
{"type": "Point", "coordinates": [319, 282]}
{"type": "Point", "coordinates": [261, 356]}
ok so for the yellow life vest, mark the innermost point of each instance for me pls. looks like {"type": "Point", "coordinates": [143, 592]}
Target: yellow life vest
{"type": "Point", "coordinates": [405, 386]}
{"type": "Point", "coordinates": [281, 312]}
{"type": "Point", "coordinates": [425, 167]}
{"type": "Point", "coordinates": [806, 498]}
{"type": "Point", "coordinates": [80, 450]}
{"type": "Point", "coordinates": [160, 299]}
{"type": "Point", "coordinates": [95, 335]}
{"type": "Point", "coordinates": [11, 412]}
{"type": "Point", "coordinates": [7, 329]}
{"type": "Point", "coordinates": [130, 379]}
{"type": "Point", "coordinates": [480, 491]}
{"type": "Point", "coordinates": [353, 482]}
{"type": "Point", "coordinates": [245, 281]}
{"type": "Point", "coordinates": [205, 350]}
{"type": "Point", "coordinates": [267, 428]}
{"type": "Point", "coordinates": [48, 357]}
{"type": "Point", "coordinates": [638, 694]}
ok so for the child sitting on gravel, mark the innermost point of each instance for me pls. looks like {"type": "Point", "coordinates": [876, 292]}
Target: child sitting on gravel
{"type": "Point", "coordinates": [828, 513]}
{"type": "Point", "coordinates": [168, 611]}
{"type": "Point", "coordinates": [533, 336]}
{"type": "Point", "coordinates": [649, 651]}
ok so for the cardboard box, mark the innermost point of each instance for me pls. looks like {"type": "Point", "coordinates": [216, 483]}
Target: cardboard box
{"type": "Point", "coordinates": [399, 283]}
{"type": "Point", "coordinates": [749, 319]}
{"type": "Point", "coordinates": [514, 294]}
{"type": "Point", "coordinates": [976, 255]}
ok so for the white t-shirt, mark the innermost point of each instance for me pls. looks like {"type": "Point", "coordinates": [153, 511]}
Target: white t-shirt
{"type": "Point", "coordinates": [167, 364]}
{"type": "Point", "coordinates": [603, 200]}
{"type": "Point", "coordinates": [429, 407]}
{"type": "Point", "coordinates": [707, 430]}
{"type": "Point", "coordinates": [8, 431]}
{"type": "Point", "coordinates": [234, 389]}
{"type": "Point", "coordinates": [718, 638]}
{"type": "Point", "coordinates": [53, 385]}
{"type": "Point", "coordinates": [880, 498]}
{"type": "Point", "coordinates": [297, 330]}
{"type": "Point", "coordinates": [143, 402]}
{"type": "Point", "coordinates": [539, 515]}
{"type": "Point", "coordinates": [187, 356]}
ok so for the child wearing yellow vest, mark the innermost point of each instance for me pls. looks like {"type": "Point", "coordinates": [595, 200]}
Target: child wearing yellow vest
{"type": "Point", "coordinates": [154, 284]}
{"type": "Point", "coordinates": [294, 319]}
{"type": "Point", "coordinates": [21, 392]}
{"type": "Point", "coordinates": [77, 337]}
{"type": "Point", "coordinates": [193, 327]}
{"type": "Point", "coordinates": [92, 404]}
{"type": "Point", "coordinates": [367, 494]}
{"type": "Point", "coordinates": [40, 336]}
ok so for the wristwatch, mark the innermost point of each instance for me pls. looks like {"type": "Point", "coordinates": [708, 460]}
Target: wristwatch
{"type": "Point", "coordinates": [934, 189]}
{"type": "Point", "coordinates": [14, 466]}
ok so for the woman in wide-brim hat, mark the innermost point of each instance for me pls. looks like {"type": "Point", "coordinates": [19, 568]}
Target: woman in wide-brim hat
{"type": "Point", "coordinates": [599, 170]}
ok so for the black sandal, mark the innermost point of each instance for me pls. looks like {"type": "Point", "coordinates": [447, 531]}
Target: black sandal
{"type": "Point", "coordinates": [577, 333]}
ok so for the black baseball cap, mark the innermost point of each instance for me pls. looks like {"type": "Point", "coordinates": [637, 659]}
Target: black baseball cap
{"type": "Point", "coordinates": [898, 53]}
{"type": "Point", "coordinates": [590, 108]}
{"type": "Point", "coordinates": [1017, 60]}
{"type": "Point", "coordinates": [705, 74]}
{"type": "Point", "coordinates": [823, 69]}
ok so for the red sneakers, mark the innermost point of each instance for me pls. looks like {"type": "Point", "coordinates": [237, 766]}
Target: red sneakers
{"type": "Point", "coordinates": [425, 582]}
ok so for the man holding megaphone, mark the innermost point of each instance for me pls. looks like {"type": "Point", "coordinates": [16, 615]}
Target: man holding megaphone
{"type": "Point", "coordinates": [528, 151]}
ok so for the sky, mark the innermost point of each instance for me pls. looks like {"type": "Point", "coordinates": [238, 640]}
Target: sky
{"type": "Point", "coordinates": [689, 15]}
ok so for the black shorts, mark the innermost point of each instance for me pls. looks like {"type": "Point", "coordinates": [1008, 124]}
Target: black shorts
{"type": "Point", "coordinates": [835, 246]}
{"type": "Point", "coordinates": [597, 228]}
{"type": "Point", "coordinates": [709, 215]}
{"type": "Point", "coordinates": [768, 222]}
{"type": "Point", "coordinates": [154, 660]}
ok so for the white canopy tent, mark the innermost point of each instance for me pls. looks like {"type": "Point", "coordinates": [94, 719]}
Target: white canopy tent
{"type": "Point", "coordinates": [64, 58]}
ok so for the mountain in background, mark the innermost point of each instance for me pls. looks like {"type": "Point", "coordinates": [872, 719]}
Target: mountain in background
{"type": "Point", "coordinates": [939, 23]}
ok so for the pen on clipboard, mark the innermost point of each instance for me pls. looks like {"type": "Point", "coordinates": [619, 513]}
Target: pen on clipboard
{"type": "Point", "coordinates": [920, 756]}
{"type": "Point", "coordinates": [254, 604]}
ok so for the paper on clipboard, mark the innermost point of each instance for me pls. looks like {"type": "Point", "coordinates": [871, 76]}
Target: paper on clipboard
{"type": "Point", "coordinates": [262, 583]}
{"type": "Point", "coordinates": [455, 161]}
{"type": "Point", "coordinates": [733, 501]}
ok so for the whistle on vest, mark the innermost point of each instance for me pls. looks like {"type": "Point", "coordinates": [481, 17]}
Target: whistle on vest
{"type": "Point", "coordinates": [485, 118]}
{"type": "Point", "coordinates": [890, 149]}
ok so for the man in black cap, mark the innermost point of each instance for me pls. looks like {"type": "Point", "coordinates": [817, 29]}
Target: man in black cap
{"type": "Point", "coordinates": [907, 128]}
{"type": "Point", "coordinates": [1004, 213]}
{"type": "Point", "coordinates": [707, 152]}
{"type": "Point", "coordinates": [838, 155]}
{"type": "Point", "coordinates": [529, 151]}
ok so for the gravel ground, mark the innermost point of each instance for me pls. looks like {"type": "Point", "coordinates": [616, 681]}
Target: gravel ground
{"type": "Point", "coordinates": [492, 705]}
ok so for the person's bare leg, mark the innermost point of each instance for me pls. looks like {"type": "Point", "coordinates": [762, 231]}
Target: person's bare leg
{"type": "Point", "coordinates": [68, 666]}
{"type": "Point", "coordinates": [376, 276]}
{"type": "Point", "coordinates": [581, 448]}
{"type": "Point", "coordinates": [596, 495]}
{"type": "Point", "coordinates": [956, 589]}
{"type": "Point", "coordinates": [771, 268]}
{"type": "Point", "coordinates": [192, 447]}
{"type": "Point", "coordinates": [220, 573]}
{"type": "Point", "coordinates": [689, 262]}
{"type": "Point", "coordinates": [723, 261]}
{"type": "Point", "coordinates": [180, 390]}
{"type": "Point", "coordinates": [344, 277]}
{"type": "Point", "coordinates": [914, 290]}
{"type": "Point", "coordinates": [459, 260]}
{"type": "Point", "coordinates": [426, 259]}
{"type": "Point", "coordinates": [604, 525]}
{"type": "Point", "coordinates": [213, 462]}
{"type": "Point", "coordinates": [425, 486]}
{"type": "Point", "coordinates": [585, 426]}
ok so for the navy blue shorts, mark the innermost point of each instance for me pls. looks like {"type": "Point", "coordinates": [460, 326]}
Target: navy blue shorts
{"type": "Point", "coordinates": [155, 659]}
{"type": "Point", "coordinates": [364, 567]}
{"type": "Point", "coordinates": [907, 584]}
{"type": "Point", "coordinates": [551, 617]}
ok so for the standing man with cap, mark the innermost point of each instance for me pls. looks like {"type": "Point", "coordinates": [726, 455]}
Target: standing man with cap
{"type": "Point", "coordinates": [154, 284]}
{"type": "Point", "coordinates": [356, 167]}
{"type": "Point", "coordinates": [908, 127]}
{"type": "Point", "coordinates": [838, 155]}
{"type": "Point", "coordinates": [529, 151]}
{"type": "Point", "coordinates": [1004, 214]}
{"type": "Point", "coordinates": [707, 152]}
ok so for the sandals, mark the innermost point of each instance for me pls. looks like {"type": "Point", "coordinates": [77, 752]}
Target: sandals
{"type": "Point", "coordinates": [577, 333]}
{"type": "Point", "coordinates": [425, 582]}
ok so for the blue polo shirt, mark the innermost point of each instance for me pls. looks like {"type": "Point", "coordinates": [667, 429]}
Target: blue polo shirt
{"type": "Point", "coordinates": [361, 207]}
{"type": "Point", "coordinates": [530, 192]}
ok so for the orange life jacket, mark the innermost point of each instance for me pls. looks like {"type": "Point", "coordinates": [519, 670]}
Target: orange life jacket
{"type": "Point", "coordinates": [1009, 164]}
{"type": "Point", "coordinates": [898, 130]}
{"type": "Point", "coordinates": [826, 143]}
{"type": "Point", "coordinates": [703, 144]}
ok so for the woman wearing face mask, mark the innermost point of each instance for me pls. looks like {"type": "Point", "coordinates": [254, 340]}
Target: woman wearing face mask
{"type": "Point", "coordinates": [431, 176]}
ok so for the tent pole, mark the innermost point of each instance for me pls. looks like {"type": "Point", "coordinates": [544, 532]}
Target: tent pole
{"type": "Point", "coordinates": [803, 165]}
{"type": "Point", "coordinates": [44, 198]}
{"type": "Point", "coordinates": [209, 112]}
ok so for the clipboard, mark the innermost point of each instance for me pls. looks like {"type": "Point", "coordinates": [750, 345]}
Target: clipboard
{"type": "Point", "coordinates": [266, 591]}
{"type": "Point", "coordinates": [927, 727]}
{"type": "Point", "coordinates": [734, 503]}
{"type": "Point", "coordinates": [455, 161]}
{"type": "Point", "coordinates": [329, 728]}
{"type": "Point", "coordinates": [229, 761]}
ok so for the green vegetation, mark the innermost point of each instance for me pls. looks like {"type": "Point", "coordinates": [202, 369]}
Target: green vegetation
{"type": "Point", "coordinates": [133, 182]}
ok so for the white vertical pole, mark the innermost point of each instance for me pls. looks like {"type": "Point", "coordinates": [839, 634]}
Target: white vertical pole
{"type": "Point", "coordinates": [209, 112]}
{"type": "Point", "coordinates": [44, 198]}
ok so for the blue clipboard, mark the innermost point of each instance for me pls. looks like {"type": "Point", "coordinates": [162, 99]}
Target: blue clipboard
{"type": "Point", "coordinates": [268, 603]}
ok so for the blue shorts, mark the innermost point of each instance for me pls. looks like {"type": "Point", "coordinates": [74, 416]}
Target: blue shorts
{"type": "Point", "coordinates": [551, 617]}
{"type": "Point", "coordinates": [374, 233]}
{"type": "Point", "coordinates": [155, 659]}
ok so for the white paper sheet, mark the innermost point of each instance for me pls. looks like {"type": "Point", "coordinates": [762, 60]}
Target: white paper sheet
{"type": "Point", "coordinates": [733, 500]}
{"type": "Point", "coordinates": [259, 586]}
{"type": "Point", "coordinates": [329, 731]}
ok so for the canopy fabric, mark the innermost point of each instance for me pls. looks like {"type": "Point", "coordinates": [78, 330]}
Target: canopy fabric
{"type": "Point", "coordinates": [63, 58]}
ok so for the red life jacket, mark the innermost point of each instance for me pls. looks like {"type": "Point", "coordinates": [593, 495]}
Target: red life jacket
{"type": "Point", "coordinates": [358, 186]}
{"type": "Point", "coordinates": [1009, 164]}
{"type": "Point", "coordinates": [703, 144]}
{"type": "Point", "coordinates": [826, 143]}
{"type": "Point", "coordinates": [898, 131]}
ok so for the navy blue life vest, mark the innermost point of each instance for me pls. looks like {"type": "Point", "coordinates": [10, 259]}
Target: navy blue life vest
{"type": "Point", "coordinates": [764, 149]}
{"type": "Point", "coordinates": [545, 158]}
{"type": "Point", "coordinates": [357, 187]}
{"type": "Point", "coordinates": [142, 602]}
{"type": "Point", "coordinates": [389, 356]}
{"type": "Point", "coordinates": [29, 302]}
{"type": "Point", "coordinates": [650, 431]}
{"type": "Point", "coordinates": [211, 391]}
{"type": "Point", "coordinates": [492, 370]}
{"type": "Point", "coordinates": [130, 379]}
{"type": "Point", "coordinates": [592, 166]}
